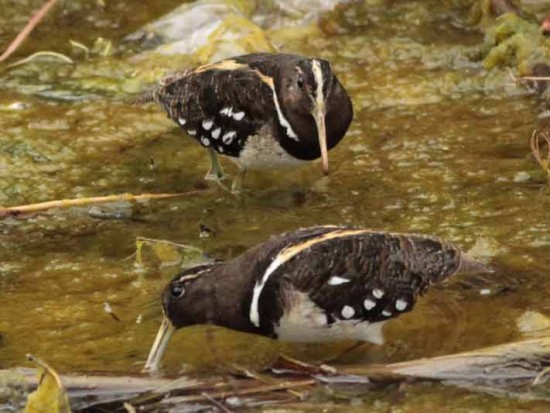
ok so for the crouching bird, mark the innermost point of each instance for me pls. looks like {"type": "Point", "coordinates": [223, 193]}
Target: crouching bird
{"type": "Point", "coordinates": [262, 110]}
{"type": "Point", "coordinates": [316, 284]}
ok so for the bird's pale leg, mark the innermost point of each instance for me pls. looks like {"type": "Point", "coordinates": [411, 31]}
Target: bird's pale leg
{"type": "Point", "coordinates": [238, 181]}
{"type": "Point", "coordinates": [215, 173]}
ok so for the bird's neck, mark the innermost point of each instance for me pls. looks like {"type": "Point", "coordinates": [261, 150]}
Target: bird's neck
{"type": "Point", "coordinates": [303, 143]}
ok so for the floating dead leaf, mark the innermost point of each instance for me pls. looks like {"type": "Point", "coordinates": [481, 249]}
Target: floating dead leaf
{"type": "Point", "coordinates": [50, 396]}
{"type": "Point", "coordinates": [169, 253]}
{"type": "Point", "coordinates": [484, 249]}
{"type": "Point", "coordinates": [534, 323]}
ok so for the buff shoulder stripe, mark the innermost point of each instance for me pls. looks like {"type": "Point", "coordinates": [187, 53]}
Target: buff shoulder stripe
{"type": "Point", "coordinates": [223, 65]}
{"type": "Point", "coordinates": [286, 255]}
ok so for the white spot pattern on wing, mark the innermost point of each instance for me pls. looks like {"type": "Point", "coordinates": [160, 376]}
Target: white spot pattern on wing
{"type": "Point", "coordinates": [347, 312]}
{"type": "Point", "coordinates": [238, 116]}
{"type": "Point", "coordinates": [335, 280]}
{"type": "Point", "coordinates": [401, 304]}
{"type": "Point", "coordinates": [216, 133]}
{"type": "Point", "coordinates": [378, 293]}
{"type": "Point", "coordinates": [228, 137]}
{"type": "Point", "coordinates": [227, 111]}
{"type": "Point", "coordinates": [369, 304]}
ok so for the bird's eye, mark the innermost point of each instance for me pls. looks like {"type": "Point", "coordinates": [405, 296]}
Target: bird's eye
{"type": "Point", "coordinates": [177, 290]}
{"type": "Point", "coordinates": [300, 82]}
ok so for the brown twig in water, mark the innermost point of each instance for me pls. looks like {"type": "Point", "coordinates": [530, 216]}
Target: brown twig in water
{"type": "Point", "coordinates": [129, 408]}
{"type": "Point", "coordinates": [216, 403]}
{"type": "Point", "coordinates": [520, 79]}
{"type": "Point", "coordinates": [541, 377]}
{"type": "Point", "coordinates": [249, 374]}
{"type": "Point", "coordinates": [532, 77]}
{"type": "Point", "coordinates": [67, 203]}
{"type": "Point", "coordinates": [39, 15]}
{"type": "Point", "coordinates": [250, 391]}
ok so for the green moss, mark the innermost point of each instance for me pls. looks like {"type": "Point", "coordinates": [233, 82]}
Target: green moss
{"type": "Point", "coordinates": [517, 42]}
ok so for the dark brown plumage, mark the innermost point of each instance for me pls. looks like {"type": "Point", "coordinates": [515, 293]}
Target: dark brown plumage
{"type": "Point", "coordinates": [263, 110]}
{"type": "Point", "coordinates": [315, 284]}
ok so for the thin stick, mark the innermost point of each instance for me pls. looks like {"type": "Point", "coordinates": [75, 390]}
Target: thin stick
{"type": "Point", "coordinates": [129, 408]}
{"type": "Point", "coordinates": [167, 242]}
{"type": "Point", "coordinates": [533, 77]}
{"type": "Point", "coordinates": [246, 392]}
{"type": "Point", "coordinates": [518, 78]}
{"type": "Point", "coordinates": [27, 29]}
{"type": "Point", "coordinates": [67, 203]}
{"type": "Point", "coordinates": [540, 377]}
{"type": "Point", "coordinates": [216, 403]}
{"type": "Point", "coordinates": [252, 375]}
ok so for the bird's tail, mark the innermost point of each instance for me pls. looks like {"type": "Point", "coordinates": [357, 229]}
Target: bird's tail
{"type": "Point", "coordinates": [469, 265]}
{"type": "Point", "coordinates": [147, 97]}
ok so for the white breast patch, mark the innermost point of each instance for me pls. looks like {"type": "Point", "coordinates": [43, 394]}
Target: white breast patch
{"type": "Point", "coordinates": [264, 152]}
{"type": "Point", "coordinates": [306, 322]}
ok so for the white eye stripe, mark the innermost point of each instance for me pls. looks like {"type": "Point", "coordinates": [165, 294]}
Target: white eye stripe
{"type": "Point", "coordinates": [318, 75]}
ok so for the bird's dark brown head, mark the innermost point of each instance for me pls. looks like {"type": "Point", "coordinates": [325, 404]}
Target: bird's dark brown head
{"type": "Point", "coordinates": [186, 300]}
{"type": "Point", "coordinates": [316, 105]}
{"type": "Point", "coordinates": [299, 84]}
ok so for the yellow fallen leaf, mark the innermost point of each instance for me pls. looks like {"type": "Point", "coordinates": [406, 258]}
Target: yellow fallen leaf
{"type": "Point", "coordinates": [533, 323]}
{"type": "Point", "coordinates": [50, 396]}
{"type": "Point", "coordinates": [169, 253]}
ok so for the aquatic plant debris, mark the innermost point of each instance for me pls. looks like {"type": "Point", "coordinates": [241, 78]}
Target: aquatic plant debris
{"type": "Point", "coordinates": [67, 203]}
{"type": "Point", "coordinates": [168, 252]}
{"type": "Point", "coordinates": [27, 29]}
{"type": "Point", "coordinates": [50, 396]}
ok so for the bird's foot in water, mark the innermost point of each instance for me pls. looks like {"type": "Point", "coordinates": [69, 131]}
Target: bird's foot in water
{"type": "Point", "coordinates": [215, 174]}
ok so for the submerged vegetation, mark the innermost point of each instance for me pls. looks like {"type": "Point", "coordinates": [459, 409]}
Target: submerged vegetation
{"type": "Point", "coordinates": [446, 97]}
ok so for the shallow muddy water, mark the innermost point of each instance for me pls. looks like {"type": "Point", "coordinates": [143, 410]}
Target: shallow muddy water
{"type": "Point", "coordinates": [437, 146]}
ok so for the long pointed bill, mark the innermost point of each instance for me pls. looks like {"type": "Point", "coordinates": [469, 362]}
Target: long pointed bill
{"type": "Point", "coordinates": [319, 116]}
{"type": "Point", "coordinates": [319, 112]}
{"type": "Point", "coordinates": [159, 346]}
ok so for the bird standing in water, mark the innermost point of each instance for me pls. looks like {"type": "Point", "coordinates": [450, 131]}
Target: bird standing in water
{"type": "Point", "coordinates": [317, 284]}
{"type": "Point", "coordinates": [262, 110]}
